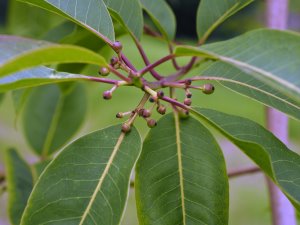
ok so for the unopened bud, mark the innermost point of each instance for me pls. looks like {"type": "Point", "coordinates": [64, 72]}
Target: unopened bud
{"type": "Point", "coordinates": [119, 115]}
{"type": "Point", "coordinates": [104, 71]}
{"type": "Point", "coordinates": [117, 46]}
{"type": "Point", "coordinates": [151, 123]}
{"type": "Point", "coordinates": [161, 109]}
{"type": "Point", "coordinates": [107, 95]}
{"type": "Point", "coordinates": [146, 113]}
{"type": "Point", "coordinates": [160, 94]}
{"type": "Point", "coordinates": [126, 128]}
{"type": "Point", "coordinates": [208, 89]}
{"type": "Point", "coordinates": [187, 101]}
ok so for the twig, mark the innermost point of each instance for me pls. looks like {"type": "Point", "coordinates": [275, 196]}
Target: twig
{"type": "Point", "coordinates": [243, 171]}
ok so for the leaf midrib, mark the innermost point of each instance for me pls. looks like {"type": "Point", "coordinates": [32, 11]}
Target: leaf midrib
{"type": "Point", "coordinates": [102, 177]}
{"type": "Point", "coordinates": [180, 168]}
{"type": "Point", "coordinates": [53, 126]}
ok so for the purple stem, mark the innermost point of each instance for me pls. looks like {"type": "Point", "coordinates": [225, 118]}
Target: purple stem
{"type": "Point", "coordinates": [155, 64]}
{"type": "Point", "coordinates": [103, 80]}
{"type": "Point", "coordinates": [174, 102]}
{"type": "Point", "coordinates": [127, 62]}
{"type": "Point", "coordinates": [146, 60]}
{"type": "Point", "coordinates": [117, 73]}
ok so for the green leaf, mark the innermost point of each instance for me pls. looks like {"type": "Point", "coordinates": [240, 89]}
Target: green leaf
{"type": "Point", "coordinates": [270, 56]}
{"type": "Point", "coordinates": [19, 185]}
{"type": "Point", "coordinates": [129, 14]}
{"type": "Point", "coordinates": [1, 97]}
{"type": "Point", "coordinates": [52, 116]}
{"type": "Point", "coordinates": [211, 13]}
{"type": "Point", "coordinates": [88, 181]}
{"type": "Point", "coordinates": [19, 23]}
{"type": "Point", "coordinates": [92, 15]}
{"type": "Point", "coordinates": [37, 76]}
{"type": "Point", "coordinates": [273, 157]}
{"type": "Point", "coordinates": [20, 53]}
{"type": "Point", "coordinates": [181, 176]}
{"type": "Point", "coordinates": [240, 82]}
{"type": "Point", "coordinates": [162, 16]}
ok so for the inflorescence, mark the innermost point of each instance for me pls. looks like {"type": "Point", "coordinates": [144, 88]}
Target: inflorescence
{"type": "Point", "coordinates": [120, 65]}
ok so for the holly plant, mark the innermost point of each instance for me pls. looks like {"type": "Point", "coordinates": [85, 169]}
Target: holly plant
{"type": "Point", "coordinates": [180, 175]}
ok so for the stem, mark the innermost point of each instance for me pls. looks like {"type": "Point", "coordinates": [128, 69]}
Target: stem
{"type": "Point", "coordinates": [283, 212]}
{"type": "Point", "coordinates": [175, 102]}
{"type": "Point", "coordinates": [140, 106]}
{"type": "Point", "coordinates": [107, 81]}
{"type": "Point", "coordinates": [146, 60]}
{"type": "Point", "coordinates": [117, 73]}
{"type": "Point", "coordinates": [127, 62]}
{"type": "Point", "coordinates": [243, 171]}
{"type": "Point", "coordinates": [174, 62]}
{"type": "Point", "coordinates": [155, 64]}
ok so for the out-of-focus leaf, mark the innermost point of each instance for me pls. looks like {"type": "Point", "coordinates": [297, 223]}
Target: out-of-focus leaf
{"type": "Point", "coordinates": [211, 13]}
{"type": "Point", "coordinates": [20, 53]}
{"type": "Point", "coordinates": [19, 185]}
{"type": "Point", "coordinates": [87, 183]}
{"type": "Point", "coordinates": [1, 97]}
{"type": "Point", "coordinates": [271, 56]}
{"type": "Point", "coordinates": [129, 14]}
{"type": "Point", "coordinates": [52, 116]}
{"type": "Point", "coordinates": [273, 157]}
{"type": "Point", "coordinates": [162, 16]}
{"type": "Point", "coordinates": [92, 15]}
{"type": "Point", "coordinates": [35, 25]}
{"type": "Point", "coordinates": [181, 176]}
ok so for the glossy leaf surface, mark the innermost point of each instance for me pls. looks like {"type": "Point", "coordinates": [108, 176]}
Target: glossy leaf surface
{"type": "Point", "coordinates": [162, 16]}
{"type": "Point", "coordinates": [92, 14]}
{"type": "Point", "coordinates": [20, 53]}
{"type": "Point", "coordinates": [181, 176]}
{"type": "Point", "coordinates": [19, 185]}
{"type": "Point", "coordinates": [211, 13]}
{"type": "Point", "coordinates": [270, 56]}
{"type": "Point", "coordinates": [52, 116]}
{"type": "Point", "coordinates": [273, 157]}
{"type": "Point", "coordinates": [88, 181]}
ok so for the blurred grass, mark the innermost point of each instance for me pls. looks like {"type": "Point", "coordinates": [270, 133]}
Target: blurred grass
{"type": "Point", "coordinates": [249, 199]}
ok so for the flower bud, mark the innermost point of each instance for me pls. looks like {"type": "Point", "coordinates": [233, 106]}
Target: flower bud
{"type": "Point", "coordinates": [208, 89]}
{"type": "Point", "coordinates": [119, 115]}
{"type": "Point", "coordinates": [161, 109]}
{"type": "Point", "coordinates": [187, 101]}
{"type": "Point", "coordinates": [107, 95]}
{"type": "Point", "coordinates": [146, 113]}
{"type": "Point", "coordinates": [117, 46]}
{"type": "Point", "coordinates": [104, 71]}
{"type": "Point", "coordinates": [151, 123]}
{"type": "Point", "coordinates": [126, 128]}
{"type": "Point", "coordinates": [114, 60]}
{"type": "Point", "coordinates": [160, 94]}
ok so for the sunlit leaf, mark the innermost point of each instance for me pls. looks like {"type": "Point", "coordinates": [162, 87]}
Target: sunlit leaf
{"type": "Point", "coordinates": [20, 53]}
